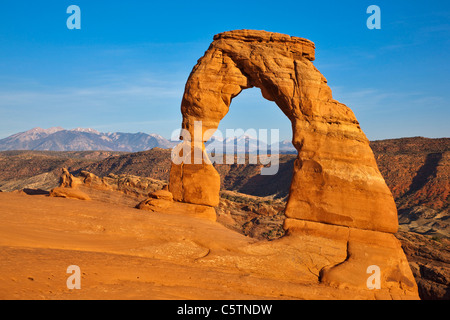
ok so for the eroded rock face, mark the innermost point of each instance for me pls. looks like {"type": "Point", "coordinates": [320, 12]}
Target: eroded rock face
{"type": "Point", "coordinates": [124, 189]}
{"type": "Point", "coordinates": [337, 195]}
{"type": "Point", "coordinates": [336, 179]}
{"type": "Point", "coordinates": [352, 253]}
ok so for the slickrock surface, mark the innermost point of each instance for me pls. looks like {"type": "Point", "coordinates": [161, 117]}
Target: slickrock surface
{"type": "Point", "coordinates": [125, 253]}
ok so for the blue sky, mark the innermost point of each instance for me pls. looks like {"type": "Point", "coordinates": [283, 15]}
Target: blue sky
{"type": "Point", "coordinates": [125, 70]}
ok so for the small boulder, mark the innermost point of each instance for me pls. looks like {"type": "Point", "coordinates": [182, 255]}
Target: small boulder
{"type": "Point", "coordinates": [161, 194]}
{"type": "Point", "coordinates": [153, 204]}
{"type": "Point", "coordinates": [157, 201]}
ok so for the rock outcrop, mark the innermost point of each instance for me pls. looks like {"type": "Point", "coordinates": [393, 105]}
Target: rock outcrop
{"type": "Point", "coordinates": [126, 189]}
{"type": "Point", "coordinates": [336, 179]}
{"type": "Point", "coordinates": [337, 194]}
{"type": "Point", "coordinates": [157, 201]}
{"type": "Point", "coordinates": [69, 187]}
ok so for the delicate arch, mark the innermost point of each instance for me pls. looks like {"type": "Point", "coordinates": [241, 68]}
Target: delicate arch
{"type": "Point", "coordinates": [336, 179]}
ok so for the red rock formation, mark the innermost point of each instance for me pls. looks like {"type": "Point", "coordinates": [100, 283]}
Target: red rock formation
{"type": "Point", "coordinates": [337, 193]}
{"type": "Point", "coordinates": [336, 179]}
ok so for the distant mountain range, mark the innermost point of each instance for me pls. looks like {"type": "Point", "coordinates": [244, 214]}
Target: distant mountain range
{"type": "Point", "coordinates": [86, 139]}
{"type": "Point", "coordinates": [247, 143]}
{"type": "Point", "coordinates": [80, 139]}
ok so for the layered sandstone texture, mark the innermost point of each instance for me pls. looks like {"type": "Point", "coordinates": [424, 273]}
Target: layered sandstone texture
{"type": "Point", "coordinates": [337, 196]}
{"type": "Point", "coordinates": [336, 179]}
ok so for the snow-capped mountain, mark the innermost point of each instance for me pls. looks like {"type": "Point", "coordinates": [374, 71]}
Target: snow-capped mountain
{"type": "Point", "coordinates": [87, 139]}
{"type": "Point", "coordinates": [247, 144]}
{"type": "Point", "coordinates": [82, 139]}
{"type": "Point", "coordinates": [241, 144]}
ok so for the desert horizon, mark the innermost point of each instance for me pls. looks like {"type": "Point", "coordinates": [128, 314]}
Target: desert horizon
{"type": "Point", "coordinates": [224, 157]}
{"type": "Point", "coordinates": [251, 209]}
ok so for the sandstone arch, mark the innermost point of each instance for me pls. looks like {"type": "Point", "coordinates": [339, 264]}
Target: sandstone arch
{"type": "Point", "coordinates": [339, 204]}
{"type": "Point", "coordinates": [336, 180]}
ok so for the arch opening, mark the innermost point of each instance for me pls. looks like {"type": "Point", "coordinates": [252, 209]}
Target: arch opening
{"type": "Point", "coordinates": [335, 177]}
{"type": "Point", "coordinates": [251, 203]}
